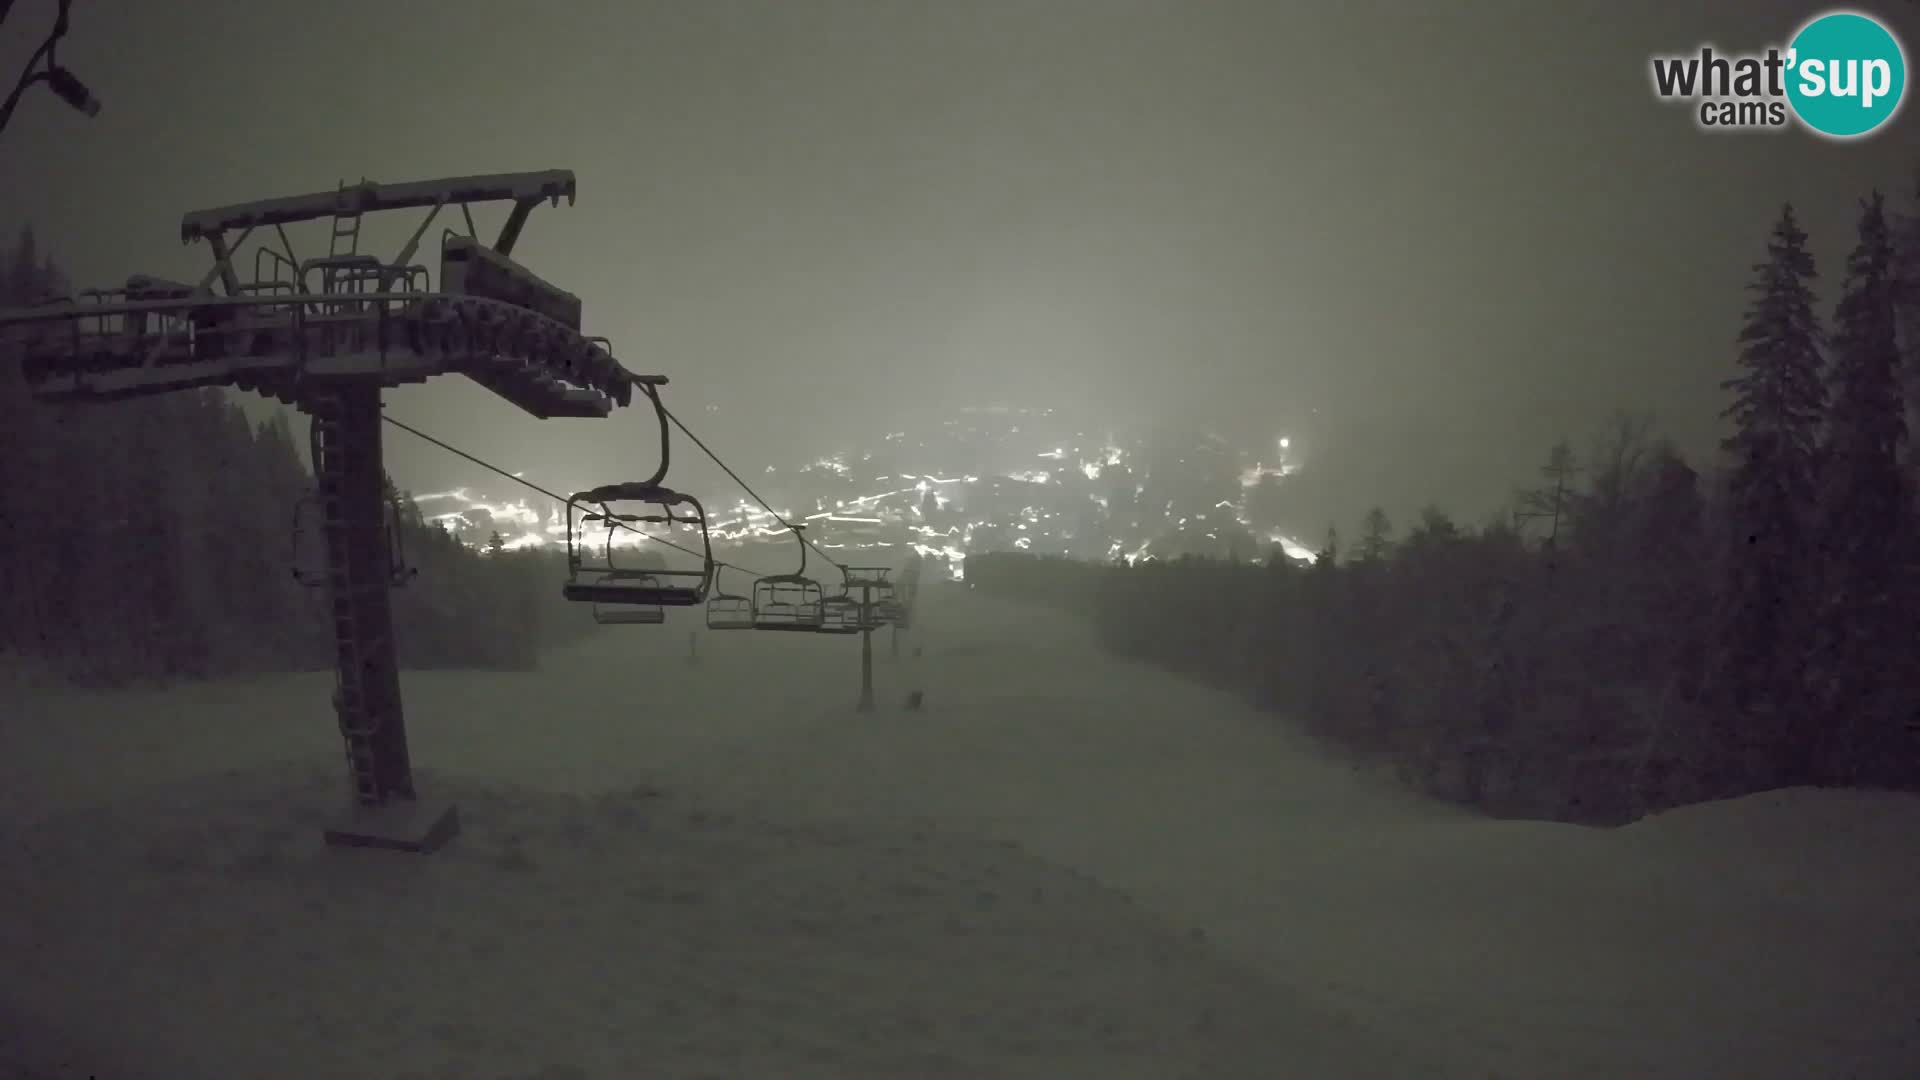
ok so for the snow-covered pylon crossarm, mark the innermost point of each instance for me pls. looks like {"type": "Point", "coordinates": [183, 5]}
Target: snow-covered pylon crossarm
{"type": "Point", "coordinates": [294, 324]}
{"type": "Point", "coordinates": [550, 185]}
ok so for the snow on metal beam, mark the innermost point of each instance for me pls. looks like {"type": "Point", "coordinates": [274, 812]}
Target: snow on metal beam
{"type": "Point", "coordinates": [368, 197]}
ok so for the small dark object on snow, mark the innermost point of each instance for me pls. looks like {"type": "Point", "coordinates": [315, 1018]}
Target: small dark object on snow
{"type": "Point", "coordinates": [914, 699]}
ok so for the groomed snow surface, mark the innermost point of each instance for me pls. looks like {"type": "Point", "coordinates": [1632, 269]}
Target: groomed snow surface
{"type": "Point", "coordinates": [1063, 866]}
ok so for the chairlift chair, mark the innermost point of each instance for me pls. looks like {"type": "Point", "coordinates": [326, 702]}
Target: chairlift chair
{"type": "Point", "coordinates": [859, 613]}
{"type": "Point", "coordinates": [788, 601]}
{"type": "Point", "coordinates": [840, 615]}
{"type": "Point", "coordinates": [726, 611]}
{"type": "Point", "coordinates": [602, 581]}
{"type": "Point", "coordinates": [887, 607]}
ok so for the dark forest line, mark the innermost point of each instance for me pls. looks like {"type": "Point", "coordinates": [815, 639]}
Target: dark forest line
{"type": "Point", "coordinates": [152, 539]}
{"type": "Point", "coordinates": [1634, 635]}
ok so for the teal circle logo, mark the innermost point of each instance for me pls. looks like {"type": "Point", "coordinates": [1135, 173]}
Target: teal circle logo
{"type": "Point", "coordinates": [1847, 75]}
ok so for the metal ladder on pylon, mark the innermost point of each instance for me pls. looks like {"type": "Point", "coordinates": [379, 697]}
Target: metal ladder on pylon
{"type": "Point", "coordinates": [341, 274]}
{"type": "Point", "coordinates": [346, 225]}
{"type": "Point", "coordinates": [357, 723]}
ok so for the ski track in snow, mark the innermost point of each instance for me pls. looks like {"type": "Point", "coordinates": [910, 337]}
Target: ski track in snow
{"type": "Point", "coordinates": [1062, 866]}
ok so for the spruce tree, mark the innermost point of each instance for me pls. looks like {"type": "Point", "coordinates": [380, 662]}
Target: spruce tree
{"type": "Point", "coordinates": [1864, 534]}
{"type": "Point", "coordinates": [1778, 403]}
{"type": "Point", "coordinates": [1551, 502]}
{"type": "Point", "coordinates": [1376, 537]}
{"type": "Point", "coordinates": [1906, 273]}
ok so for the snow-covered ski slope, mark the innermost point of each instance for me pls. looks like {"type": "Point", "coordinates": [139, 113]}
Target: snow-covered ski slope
{"type": "Point", "coordinates": [1062, 866]}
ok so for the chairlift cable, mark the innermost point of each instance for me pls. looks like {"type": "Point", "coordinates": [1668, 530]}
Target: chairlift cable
{"type": "Point", "coordinates": [748, 488]}
{"type": "Point", "coordinates": [456, 451]}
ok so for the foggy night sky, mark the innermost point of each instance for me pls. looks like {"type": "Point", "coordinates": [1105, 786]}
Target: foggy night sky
{"type": "Point", "coordinates": [1457, 231]}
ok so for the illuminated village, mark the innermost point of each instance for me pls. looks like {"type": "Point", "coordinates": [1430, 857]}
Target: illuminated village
{"type": "Point", "coordinates": [983, 479]}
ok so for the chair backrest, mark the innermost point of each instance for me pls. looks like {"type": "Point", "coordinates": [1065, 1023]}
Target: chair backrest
{"type": "Point", "coordinates": [726, 612]}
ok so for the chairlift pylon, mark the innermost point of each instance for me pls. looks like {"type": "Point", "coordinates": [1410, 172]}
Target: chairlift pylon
{"type": "Point", "coordinates": [308, 558]}
{"type": "Point", "coordinates": [877, 593]}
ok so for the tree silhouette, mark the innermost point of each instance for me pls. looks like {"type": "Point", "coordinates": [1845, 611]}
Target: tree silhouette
{"type": "Point", "coordinates": [1376, 537]}
{"type": "Point", "coordinates": [1779, 401]}
{"type": "Point", "coordinates": [1865, 528]}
